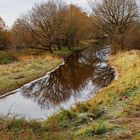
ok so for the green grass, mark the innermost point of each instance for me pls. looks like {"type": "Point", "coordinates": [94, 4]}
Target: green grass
{"type": "Point", "coordinates": [113, 114]}
{"type": "Point", "coordinates": [64, 52]}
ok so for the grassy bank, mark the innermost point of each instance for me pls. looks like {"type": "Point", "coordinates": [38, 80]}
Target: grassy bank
{"type": "Point", "coordinates": [19, 68]}
{"type": "Point", "coordinates": [114, 113]}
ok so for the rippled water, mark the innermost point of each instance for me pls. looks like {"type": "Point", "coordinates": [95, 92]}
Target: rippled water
{"type": "Point", "coordinates": [79, 79]}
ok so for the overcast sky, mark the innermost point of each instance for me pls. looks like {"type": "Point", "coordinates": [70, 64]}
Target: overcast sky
{"type": "Point", "coordinates": [10, 10]}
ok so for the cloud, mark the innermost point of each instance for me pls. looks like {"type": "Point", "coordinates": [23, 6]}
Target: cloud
{"type": "Point", "coordinates": [10, 10]}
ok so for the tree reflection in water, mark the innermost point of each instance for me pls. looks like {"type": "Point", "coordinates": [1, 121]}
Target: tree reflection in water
{"type": "Point", "coordinates": [72, 78]}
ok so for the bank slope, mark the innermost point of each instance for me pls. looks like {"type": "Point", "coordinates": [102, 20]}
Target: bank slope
{"type": "Point", "coordinates": [114, 113]}
{"type": "Point", "coordinates": [25, 69]}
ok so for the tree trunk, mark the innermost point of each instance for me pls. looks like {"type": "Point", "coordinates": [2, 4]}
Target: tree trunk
{"type": "Point", "coordinates": [59, 47]}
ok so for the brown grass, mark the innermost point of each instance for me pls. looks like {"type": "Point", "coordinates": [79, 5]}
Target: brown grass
{"type": "Point", "coordinates": [28, 68]}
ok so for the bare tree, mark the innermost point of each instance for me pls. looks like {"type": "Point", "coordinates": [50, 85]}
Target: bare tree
{"type": "Point", "coordinates": [21, 37]}
{"type": "Point", "coordinates": [114, 16]}
{"type": "Point", "coordinates": [41, 22]}
{"type": "Point", "coordinates": [54, 24]}
{"type": "Point", "coordinates": [4, 35]}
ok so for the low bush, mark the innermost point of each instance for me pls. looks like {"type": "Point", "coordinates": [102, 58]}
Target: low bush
{"type": "Point", "coordinates": [6, 58]}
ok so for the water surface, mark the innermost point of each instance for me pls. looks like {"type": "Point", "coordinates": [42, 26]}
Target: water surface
{"type": "Point", "coordinates": [78, 80]}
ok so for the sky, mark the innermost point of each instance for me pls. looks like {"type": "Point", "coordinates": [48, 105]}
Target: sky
{"type": "Point", "coordinates": [10, 10]}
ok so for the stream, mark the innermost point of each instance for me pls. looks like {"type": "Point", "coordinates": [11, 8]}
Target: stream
{"type": "Point", "coordinates": [82, 76]}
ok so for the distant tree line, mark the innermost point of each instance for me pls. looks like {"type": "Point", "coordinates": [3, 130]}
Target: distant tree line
{"type": "Point", "coordinates": [54, 24]}
{"type": "Point", "coordinates": [4, 35]}
{"type": "Point", "coordinates": [50, 25]}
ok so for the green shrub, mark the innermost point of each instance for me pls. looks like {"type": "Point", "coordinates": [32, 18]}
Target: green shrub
{"type": "Point", "coordinates": [6, 58]}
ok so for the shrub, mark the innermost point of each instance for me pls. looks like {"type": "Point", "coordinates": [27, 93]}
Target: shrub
{"type": "Point", "coordinates": [6, 58]}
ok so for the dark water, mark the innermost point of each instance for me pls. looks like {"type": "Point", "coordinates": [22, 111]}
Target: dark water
{"type": "Point", "coordinates": [79, 79]}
